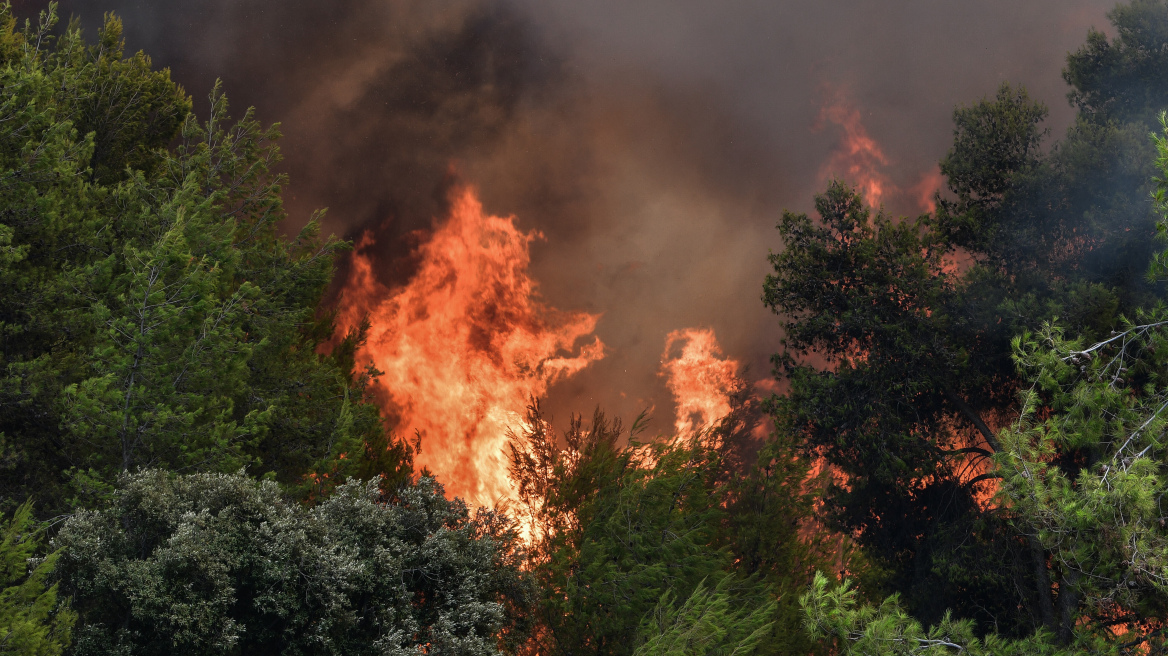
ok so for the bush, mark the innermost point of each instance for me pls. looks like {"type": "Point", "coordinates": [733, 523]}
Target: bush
{"type": "Point", "coordinates": [220, 563]}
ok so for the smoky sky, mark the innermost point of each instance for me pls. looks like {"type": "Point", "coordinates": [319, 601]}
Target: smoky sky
{"type": "Point", "coordinates": [654, 143]}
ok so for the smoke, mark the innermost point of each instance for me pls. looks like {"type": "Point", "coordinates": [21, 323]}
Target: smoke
{"type": "Point", "coordinates": [653, 144]}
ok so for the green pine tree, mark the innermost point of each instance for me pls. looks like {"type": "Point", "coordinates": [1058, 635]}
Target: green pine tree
{"type": "Point", "coordinates": [34, 621]}
{"type": "Point", "coordinates": [623, 529]}
{"type": "Point", "coordinates": [711, 622]}
{"type": "Point", "coordinates": [898, 331]}
{"type": "Point", "coordinates": [151, 312]}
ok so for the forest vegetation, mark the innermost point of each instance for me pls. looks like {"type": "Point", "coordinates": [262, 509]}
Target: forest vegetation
{"type": "Point", "coordinates": [967, 453]}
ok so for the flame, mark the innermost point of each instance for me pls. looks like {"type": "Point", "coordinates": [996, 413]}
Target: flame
{"type": "Point", "coordinates": [701, 379]}
{"type": "Point", "coordinates": [923, 190]}
{"type": "Point", "coordinates": [858, 158]}
{"type": "Point", "coordinates": [465, 345]}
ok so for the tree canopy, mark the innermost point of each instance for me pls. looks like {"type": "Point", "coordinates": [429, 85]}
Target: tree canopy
{"type": "Point", "coordinates": [34, 619]}
{"type": "Point", "coordinates": [656, 546]}
{"type": "Point", "coordinates": [967, 438]}
{"type": "Point", "coordinates": [912, 346]}
{"type": "Point", "coordinates": [152, 314]}
{"type": "Point", "coordinates": [221, 563]}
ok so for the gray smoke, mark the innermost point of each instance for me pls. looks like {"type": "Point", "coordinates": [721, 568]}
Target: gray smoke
{"type": "Point", "coordinates": [655, 143]}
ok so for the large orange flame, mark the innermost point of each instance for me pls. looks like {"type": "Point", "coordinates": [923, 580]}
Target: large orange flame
{"type": "Point", "coordinates": [701, 378]}
{"type": "Point", "coordinates": [465, 345]}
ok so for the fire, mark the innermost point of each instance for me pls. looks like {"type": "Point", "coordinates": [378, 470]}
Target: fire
{"type": "Point", "coordinates": [858, 158]}
{"type": "Point", "coordinates": [928, 185]}
{"type": "Point", "coordinates": [701, 379]}
{"type": "Point", "coordinates": [465, 344]}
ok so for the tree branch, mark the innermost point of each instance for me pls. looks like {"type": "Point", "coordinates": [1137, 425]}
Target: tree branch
{"type": "Point", "coordinates": [974, 418]}
{"type": "Point", "coordinates": [969, 449]}
{"type": "Point", "coordinates": [983, 477]}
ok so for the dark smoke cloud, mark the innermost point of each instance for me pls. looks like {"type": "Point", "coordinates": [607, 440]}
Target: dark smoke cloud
{"type": "Point", "coordinates": [654, 143]}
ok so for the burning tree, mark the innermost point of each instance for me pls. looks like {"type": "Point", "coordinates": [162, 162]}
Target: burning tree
{"type": "Point", "coordinates": [898, 332]}
{"type": "Point", "coordinates": [1083, 469]}
{"type": "Point", "coordinates": [639, 544]}
{"type": "Point", "coordinates": [918, 321]}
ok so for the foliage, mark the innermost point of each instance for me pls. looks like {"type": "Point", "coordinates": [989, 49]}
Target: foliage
{"type": "Point", "coordinates": [994, 144]}
{"type": "Point", "coordinates": [1082, 479]}
{"type": "Point", "coordinates": [707, 623]}
{"type": "Point", "coordinates": [33, 621]}
{"type": "Point", "coordinates": [1123, 79]}
{"type": "Point", "coordinates": [898, 332]}
{"type": "Point", "coordinates": [153, 319]}
{"type": "Point", "coordinates": [887, 630]}
{"type": "Point", "coordinates": [617, 528]}
{"type": "Point", "coordinates": [889, 384]}
{"type": "Point", "coordinates": [769, 527]}
{"type": "Point", "coordinates": [1083, 474]}
{"type": "Point", "coordinates": [150, 312]}
{"type": "Point", "coordinates": [621, 531]}
{"type": "Point", "coordinates": [866, 295]}
{"type": "Point", "coordinates": [1083, 466]}
{"type": "Point", "coordinates": [221, 563]}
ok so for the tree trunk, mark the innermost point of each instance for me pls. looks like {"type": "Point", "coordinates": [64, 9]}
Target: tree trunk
{"type": "Point", "coordinates": [1068, 601]}
{"type": "Point", "coordinates": [1042, 584]}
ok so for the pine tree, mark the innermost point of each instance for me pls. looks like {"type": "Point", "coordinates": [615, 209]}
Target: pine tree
{"type": "Point", "coordinates": [34, 621]}
{"type": "Point", "coordinates": [710, 622]}
{"type": "Point", "coordinates": [898, 331]}
{"type": "Point", "coordinates": [151, 312]}
{"type": "Point", "coordinates": [623, 529]}
{"type": "Point", "coordinates": [1083, 470]}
